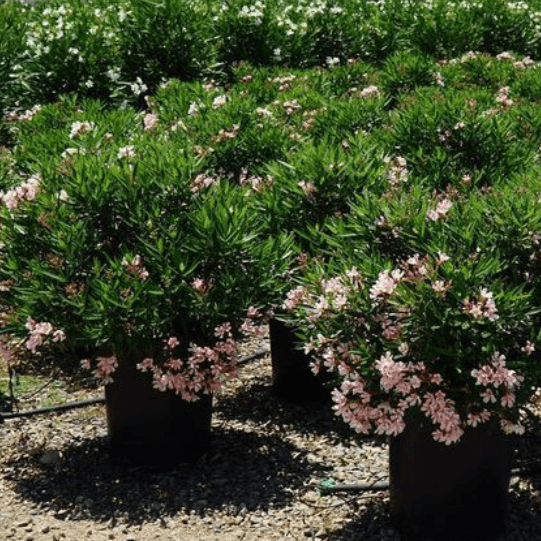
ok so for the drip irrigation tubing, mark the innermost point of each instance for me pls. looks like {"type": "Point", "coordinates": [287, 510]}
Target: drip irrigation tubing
{"type": "Point", "coordinates": [94, 401]}
{"type": "Point", "coordinates": [326, 488]}
{"type": "Point", "coordinates": [51, 409]}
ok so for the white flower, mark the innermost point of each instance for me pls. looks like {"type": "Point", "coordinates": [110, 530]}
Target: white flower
{"type": "Point", "coordinates": [126, 152]}
{"type": "Point", "coordinates": [78, 128]}
{"type": "Point", "coordinates": [138, 87]}
{"type": "Point", "coordinates": [195, 107]}
{"type": "Point", "coordinates": [219, 101]}
{"type": "Point", "coordinates": [332, 61]}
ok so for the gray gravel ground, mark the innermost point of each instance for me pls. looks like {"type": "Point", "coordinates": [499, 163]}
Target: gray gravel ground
{"type": "Point", "coordinates": [259, 482]}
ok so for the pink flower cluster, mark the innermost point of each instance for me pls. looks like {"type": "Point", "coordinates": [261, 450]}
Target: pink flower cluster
{"type": "Point", "coordinates": [352, 403]}
{"type": "Point", "coordinates": [227, 135]}
{"type": "Point", "coordinates": [441, 210]}
{"type": "Point", "coordinates": [200, 371]}
{"type": "Point", "coordinates": [386, 283]}
{"type": "Point", "coordinates": [483, 307]}
{"type": "Point", "coordinates": [27, 115]}
{"type": "Point", "coordinates": [256, 183]}
{"type": "Point", "coordinates": [398, 171]}
{"type": "Point", "coordinates": [292, 107]}
{"type": "Point", "coordinates": [79, 128]}
{"type": "Point", "coordinates": [201, 286]}
{"type": "Point", "coordinates": [398, 375]}
{"type": "Point", "coordinates": [295, 297]}
{"type": "Point", "coordinates": [150, 121]}
{"type": "Point", "coordinates": [375, 346]}
{"type": "Point", "coordinates": [503, 380]}
{"type": "Point", "coordinates": [441, 410]}
{"type": "Point", "coordinates": [219, 101]}
{"type": "Point", "coordinates": [503, 97]}
{"type": "Point", "coordinates": [27, 191]}
{"type": "Point", "coordinates": [105, 368]}
{"type": "Point", "coordinates": [134, 266]}
{"type": "Point", "coordinates": [202, 181]}
{"type": "Point", "coordinates": [369, 92]}
{"type": "Point", "coordinates": [40, 333]}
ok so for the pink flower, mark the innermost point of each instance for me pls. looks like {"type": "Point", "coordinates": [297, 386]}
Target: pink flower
{"type": "Point", "coordinates": [59, 335]}
{"type": "Point", "coordinates": [200, 286]}
{"type": "Point", "coordinates": [476, 418]}
{"type": "Point", "coordinates": [529, 348]}
{"type": "Point", "coordinates": [150, 121]}
{"type": "Point", "coordinates": [146, 364]}
{"type": "Point", "coordinates": [85, 364]}
{"type": "Point", "coordinates": [78, 128]}
{"type": "Point", "coordinates": [172, 342]}
{"type": "Point", "coordinates": [439, 286]}
{"type": "Point", "coordinates": [442, 258]}
{"type": "Point", "coordinates": [398, 171]}
{"type": "Point", "coordinates": [201, 182]}
{"type": "Point", "coordinates": [385, 284]}
{"type": "Point", "coordinates": [43, 328]}
{"type": "Point", "coordinates": [369, 92]}
{"type": "Point", "coordinates": [488, 396]}
{"type": "Point", "coordinates": [442, 208]}
{"type": "Point", "coordinates": [105, 368]}
{"type": "Point", "coordinates": [503, 97]}
{"type": "Point", "coordinates": [295, 297]}
{"type": "Point", "coordinates": [126, 152]}
{"type": "Point", "coordinates": [30, 323]}
{"type": "Point", "coordinates": [175, 364]}
{"type": "Point", "coordinates": [508, 399]}
{"type": "Point", "coordinates": [511, 428]}
{"type": "Point", "coordinates": [223, 330]}
{"type": "Point", "coordinates": [253, 312]}
{"type": "Point", "coordinates": [219, 101]}
{"type": "Point", "coordinates": [249, 328]}
{"type": "Point", "coordinates": [307, 187]}
{"type": "Point", "coordinates": [449, 436]}
{"type": "Point", "coordinates": [483, 307]}
{"type": "Point", "coordinates": [34, 342]}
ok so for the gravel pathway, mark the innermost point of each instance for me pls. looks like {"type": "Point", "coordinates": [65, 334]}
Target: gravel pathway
{"type": "Point", "coordinates": [259, 482]}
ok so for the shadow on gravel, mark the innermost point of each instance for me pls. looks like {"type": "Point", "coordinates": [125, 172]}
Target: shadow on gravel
{"type": "Point", "coordinates": [257, 403]}
{"type": "Point", "coordinates": [525, 500]}
{"type": "Point", "coordinates": [371, 521]}
{"type": "Point", "coordinates": [243, 471]}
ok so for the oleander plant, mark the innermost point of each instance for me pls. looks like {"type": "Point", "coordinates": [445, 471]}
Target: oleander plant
{"type": "Point", "coordinates": [169, 169]}
{"type": "Point", "coordinates": [447, 327]}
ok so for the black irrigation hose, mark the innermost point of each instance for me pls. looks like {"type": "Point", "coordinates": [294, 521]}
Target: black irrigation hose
{"type": "Point", "coordinates": [92, 401]}
{"type": "Point", "coordinates": [254, 355]}
{"type": "Point", "coordinates": [51, 409]}
{"type": "Point", "coordinates": [326, 488]}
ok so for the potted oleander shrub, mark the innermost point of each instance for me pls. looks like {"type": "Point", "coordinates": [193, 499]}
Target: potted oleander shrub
{"type": "Point", "coordinates": [435, 343]}
{"type": "Point", "coordinates": [114, 252]}
{"type": "Point", "coordinates": [318, 182]}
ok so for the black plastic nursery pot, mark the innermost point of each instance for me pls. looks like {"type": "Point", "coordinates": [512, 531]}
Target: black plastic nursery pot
{"type": "Point", "coordinates": [148, 426]}
{"type": "Point", "coordinates": [450, 492]}
{"type": "Point", "coordinates": [292, 376]}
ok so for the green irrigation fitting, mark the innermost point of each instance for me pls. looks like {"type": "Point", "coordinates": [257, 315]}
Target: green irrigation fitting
{"type": "Point", "coordinates": [328, 486]}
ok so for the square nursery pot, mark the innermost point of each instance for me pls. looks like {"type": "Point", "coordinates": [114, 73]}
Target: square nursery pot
{"type": "Point", "coordinates": [292, 376]}
{"type": "Point", "coordinates": [148, 426]}
{"type": "Point", "coordinates": [450, 492]}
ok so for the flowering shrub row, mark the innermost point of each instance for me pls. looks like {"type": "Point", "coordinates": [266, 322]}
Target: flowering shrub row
{"type": "Point", "coordinates": [410, 188]}
{"type": "Point", "coordinates": [122, 50]}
